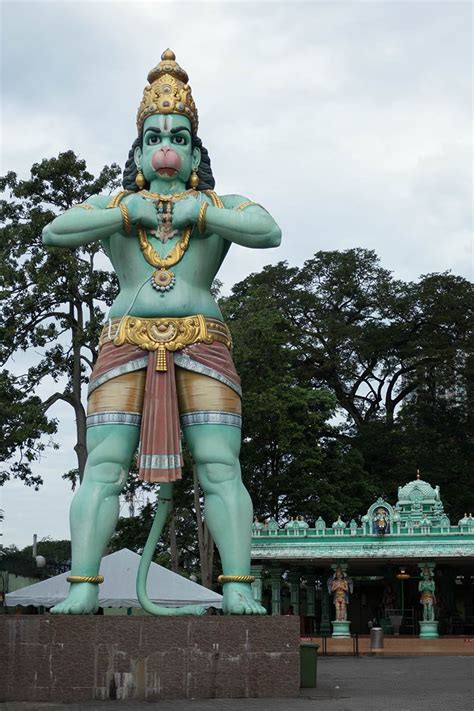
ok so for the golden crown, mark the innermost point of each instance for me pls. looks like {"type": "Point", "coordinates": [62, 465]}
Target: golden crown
{"type": "Point", "coordinates": [168, 92]}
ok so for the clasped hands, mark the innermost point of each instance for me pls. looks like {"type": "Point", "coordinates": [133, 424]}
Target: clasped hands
{"type": "Point", "coordinates": [143, 211]}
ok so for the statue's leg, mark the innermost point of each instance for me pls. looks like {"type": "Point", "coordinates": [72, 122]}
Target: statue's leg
{"type": "Point", "coordinates": [95, 509]}
{"type": "Point", "coordinates": [227, 508]}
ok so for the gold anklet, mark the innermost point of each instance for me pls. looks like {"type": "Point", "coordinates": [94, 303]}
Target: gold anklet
{"type": "Point", "coordinates": [85, 579]}
{"type": "Point", "coordinates": [235, 579]}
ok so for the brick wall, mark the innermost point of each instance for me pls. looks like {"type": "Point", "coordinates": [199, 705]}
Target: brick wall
{"type": "Point", "coordinates": [74, 659]}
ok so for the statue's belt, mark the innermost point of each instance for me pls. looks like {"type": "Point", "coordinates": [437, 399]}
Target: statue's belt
{"type": "Point", "coordinates": [164, 334]}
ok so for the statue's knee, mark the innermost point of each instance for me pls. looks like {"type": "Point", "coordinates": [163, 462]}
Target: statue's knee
{"type": "Point", "coordinates": [214, 473]}
{"type": "Point", "coordinates": [107, 473]}
{"type": "Point", "coordinates": [108, 463]}
{"type": "Point", "coordinates": [216, 458]}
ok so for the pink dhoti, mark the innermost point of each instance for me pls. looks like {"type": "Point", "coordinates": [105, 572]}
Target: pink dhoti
{"type": "Point", "coordinates": [200, 386]}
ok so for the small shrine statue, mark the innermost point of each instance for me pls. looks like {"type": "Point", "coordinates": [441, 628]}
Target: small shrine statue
{"type": "Point", "coordinates": [426, 587]}
{"type": "Point", "coordinates": [388, 598]}
{"type": "Point", "coordinates": [340, 586]}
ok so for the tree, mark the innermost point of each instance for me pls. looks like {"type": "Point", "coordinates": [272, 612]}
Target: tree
{"type": "Point", "coordinates": [52, 300]}
{"type": "Point", "coordinates": [343, 325]}
{"type": "Point", "coordinates": [371, 338]}
{"type": "Point", "coordinates": [287, 439]}
{"type": "Point", "coordinates": [381, 345]}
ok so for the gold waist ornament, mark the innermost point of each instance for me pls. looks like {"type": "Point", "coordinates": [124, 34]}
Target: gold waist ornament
{"type": "Point", "coordinates": [164, 334]}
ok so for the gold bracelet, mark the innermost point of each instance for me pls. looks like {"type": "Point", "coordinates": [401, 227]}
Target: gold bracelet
{"type": "Point", "coordinates": [127, 226]}
{"type": "Point", "coordinates": [235, 579]}
{"type": "Point", "coordinates": [85, 579]}
{"type": "Point", "coordinates": [201, 220]}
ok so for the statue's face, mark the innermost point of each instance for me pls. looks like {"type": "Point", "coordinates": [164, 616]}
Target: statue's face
{"type": "Point", "coordinates": [167, 150]}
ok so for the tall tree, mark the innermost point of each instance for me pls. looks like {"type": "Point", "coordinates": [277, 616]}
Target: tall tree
{"type": "Point", "coordinates": [53, 301]}
{"type": "Point", "coordinates": [288, 442]}
{"type": "Point", "coordinates": [342, 324]}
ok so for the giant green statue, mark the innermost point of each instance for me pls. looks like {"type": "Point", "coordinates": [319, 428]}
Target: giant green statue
{"type": "Point", "coordinates": [164, 366]}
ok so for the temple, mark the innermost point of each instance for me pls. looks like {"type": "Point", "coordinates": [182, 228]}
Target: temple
{"type": "Point", "coordinates": [410, 570]}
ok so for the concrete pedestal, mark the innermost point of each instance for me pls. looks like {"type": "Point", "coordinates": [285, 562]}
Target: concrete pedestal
{"type": "Point", "coordinates": [73, 659]}
{"type": "Point", "coordinates": [429, 630]}
{"type": "Point", "coordinates": [341, 628]}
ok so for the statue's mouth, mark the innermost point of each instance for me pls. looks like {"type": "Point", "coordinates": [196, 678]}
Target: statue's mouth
{"type": "Point", "coordinates": [166, 162]}
{"type": "Point", "coordinates": [167, 171]}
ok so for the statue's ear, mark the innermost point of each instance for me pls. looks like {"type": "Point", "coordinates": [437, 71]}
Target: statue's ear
{"type": "Point", "coordinates": [196, 158]}
{"type": "Point", "coordinates": [137, 157]}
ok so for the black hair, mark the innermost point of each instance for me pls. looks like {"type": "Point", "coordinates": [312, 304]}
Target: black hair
{"type": "Point", "coordinates": [204, 172]}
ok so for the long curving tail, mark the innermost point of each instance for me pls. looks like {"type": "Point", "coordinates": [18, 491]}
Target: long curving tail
{"type": "Point", "coordinates": [164, 506]}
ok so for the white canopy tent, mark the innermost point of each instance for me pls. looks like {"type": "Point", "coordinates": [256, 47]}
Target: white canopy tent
{"type": "Point", "coordinates": [118, 589]}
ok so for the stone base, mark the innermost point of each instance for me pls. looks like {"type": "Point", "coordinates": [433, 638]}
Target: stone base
{"type": "Point", "coordinates": [76, 659]}
{"type": "Point", "coordinates": [429, 630]}
{"type": "Point", "coordinates": [341, 628]}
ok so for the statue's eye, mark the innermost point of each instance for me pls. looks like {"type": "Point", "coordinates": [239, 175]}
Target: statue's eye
{"type": "Point", "coordinates": [180, 140]}
{"type": "Point", "coordinates": [153, 139]}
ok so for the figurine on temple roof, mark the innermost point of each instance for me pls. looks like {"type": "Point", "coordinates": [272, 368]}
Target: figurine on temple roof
{"type": "Point", "coordinates": [380, 521]}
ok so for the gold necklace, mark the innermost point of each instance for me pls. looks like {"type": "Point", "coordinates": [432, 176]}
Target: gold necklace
{"type": "Point", "coordinates": [162, 279]}
{"type": "Point", "coordinates": [164, 205]}
{"type": "Point", "coordinates": [168, 198]}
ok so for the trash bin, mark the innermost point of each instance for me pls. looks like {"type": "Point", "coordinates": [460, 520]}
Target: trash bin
{"type": "Point", "coordinates": [308, 665]}
{"type": "Point", "coordinates": [376, 638]}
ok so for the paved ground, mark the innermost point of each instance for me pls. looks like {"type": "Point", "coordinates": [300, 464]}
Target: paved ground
{"type": "Point", "coordinates": [345, 684]}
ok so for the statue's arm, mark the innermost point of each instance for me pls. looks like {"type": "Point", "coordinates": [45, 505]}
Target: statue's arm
{"type": "Point", "coordinates": [240, 221]}
{"type": "Point", "coordinates": [84, 224]}
{"type": "Point", "coordinates": [243, 222]}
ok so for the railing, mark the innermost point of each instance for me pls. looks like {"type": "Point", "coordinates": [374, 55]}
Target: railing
{"type": "Point", "coordinates": [347, 533]}
{"type": "Point", "coordinates": [355, 645]}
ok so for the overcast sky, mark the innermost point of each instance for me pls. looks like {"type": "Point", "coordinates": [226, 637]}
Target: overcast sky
{"type": "Point", "coordinates": [349, 121]}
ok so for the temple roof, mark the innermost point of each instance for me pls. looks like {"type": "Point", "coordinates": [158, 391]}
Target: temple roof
{"type": "Point", "coordinates": [418, 490]}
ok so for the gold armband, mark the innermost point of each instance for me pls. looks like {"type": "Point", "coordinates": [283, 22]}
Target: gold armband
{"type": "Point", "coordinates": [127, 225]}
{"type": "Point", "coordinates": [249, 203]}
{"type": "Point", "coordinates": [246, 204]}
{"type": "Point", "coordinates": [201, 220]}
{"type": "Point", "coordinates": [85, 579]}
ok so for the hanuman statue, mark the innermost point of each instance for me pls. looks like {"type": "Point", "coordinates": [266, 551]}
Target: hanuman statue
{"type": "Point", "coordinates": [340, 587]}
{"type": "Point", "coordinates": [426, 587]}
{"type": "Point", "coordinates": [165, 367]}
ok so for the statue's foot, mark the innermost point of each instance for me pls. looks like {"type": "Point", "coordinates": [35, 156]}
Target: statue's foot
{"type": "Point", "coordinates": [238, 600]}
{"type": "Point", "coordinates": [83, 599]}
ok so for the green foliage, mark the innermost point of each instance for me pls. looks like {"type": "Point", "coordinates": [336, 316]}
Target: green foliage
{"type": "Point", "coordinates": [287, 438]}
{"type": "Point", "coordinates": [392, 359]}
{"type": "Point", "coordinates": [52, 303]}
{"type": "Point", "coordinates": [23, 423]}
